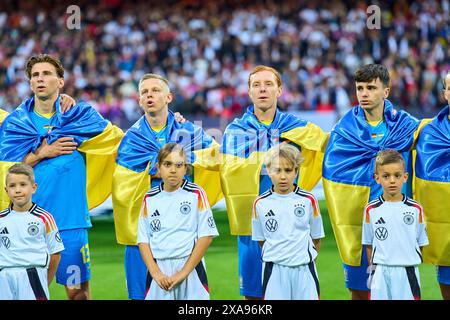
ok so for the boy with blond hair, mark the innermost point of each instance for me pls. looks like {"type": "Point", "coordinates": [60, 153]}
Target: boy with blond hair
{"type": "Point", "coordinates": [288, 225]}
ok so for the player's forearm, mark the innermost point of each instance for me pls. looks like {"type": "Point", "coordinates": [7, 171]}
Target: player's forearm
{"type": "Point", "coordinates": [147, 256]}
{"type": "Point", "coordinates": [53, 266]}
{"type": "Point", "coordinates": [197, 254]}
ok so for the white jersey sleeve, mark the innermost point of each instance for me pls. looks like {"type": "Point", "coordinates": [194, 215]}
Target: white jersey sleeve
{"type": "Point", "coordinates": [52, 236]}
{"type": "Point", "coordinates": [315, 221]}
{"type": "Point", "coordinates": [257, 230]}
{"type": "Point", "coordinates": [367, 230]}
{"type": "Point", "coordinates": [422, 236]}
{"type": "Point", "coordinates": [206, 224]}
{"type": "Point", "coordinates": [144, 231]}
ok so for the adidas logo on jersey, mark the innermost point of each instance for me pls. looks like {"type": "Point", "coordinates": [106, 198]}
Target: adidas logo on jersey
{"type": "Point", "coordinates": [270, 214]}
{"type": "Point", "coordinates": [4, 231]}
{"type": "Point", "coordinates": [380, 221]}
{"type": "Point", "coordinates": [155, 214]}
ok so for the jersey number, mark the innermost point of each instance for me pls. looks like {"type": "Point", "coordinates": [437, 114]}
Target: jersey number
{"type": "Point", "coordinates": [85, 253]}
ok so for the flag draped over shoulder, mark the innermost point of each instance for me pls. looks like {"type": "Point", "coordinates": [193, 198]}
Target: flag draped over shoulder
{"type": "Point", "coordinates": [3, 115]}
{"type": "Point", "coordinates": [136, 161]}
{"type": "Point", "coordinates": [243, 148]}
{"type": "Point", "coordinates": [97, 138]}
{"type": "Point", "coordinates": [432, 186]}
{"type": "Point", "coordinates": [348, 169]}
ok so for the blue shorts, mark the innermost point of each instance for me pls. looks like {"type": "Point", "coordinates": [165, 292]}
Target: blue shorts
{"type": "Point", "coordinates": [356, 277]}
{"type": "Point", "coordinates": [443, 275]}
{"type": "Point", "coordinates": [135, 273]}
{"type": "Point", "coordinates": [250, 267]}
{"type": "Point", "coordinates": [75, 266]}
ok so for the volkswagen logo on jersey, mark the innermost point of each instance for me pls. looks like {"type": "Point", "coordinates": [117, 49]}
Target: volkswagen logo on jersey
{"type": "Point", "coordinates": [271, 225]}
{"type": "Point", "coordinates": [33, 230]}
{"type": "Point", "coordinates": [381, 233]}
{"type": "Point", "coordinates": [155, 225]}
{"type": "Point", "coordinates": [6, 242]}
{"type": "Point", "coordinates": [211, 222]}
{"type": "Point", "coordinates": [299, 211]}
{"type": "Point", "coordinates": [408, 218]}
{"type": "Point", "coordinates": [185, 207]}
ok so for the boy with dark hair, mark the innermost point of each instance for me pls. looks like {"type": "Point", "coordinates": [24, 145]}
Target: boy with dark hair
{"type": "Point", "coordinates": [348, 167]}
{"type": "Point", "coordinates": [394, 233]}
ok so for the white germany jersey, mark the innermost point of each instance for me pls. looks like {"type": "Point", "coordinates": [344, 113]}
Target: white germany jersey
{"type": "Point", "coordinates": [287, 224]}
{"type": "Point", "coordinates": [27, 239]}
{"type": "Point", "coordinates": [395, 230]}
{"type": "Point", "coordinates": [171, 222]}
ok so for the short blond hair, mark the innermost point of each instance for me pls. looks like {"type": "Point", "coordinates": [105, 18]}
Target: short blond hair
{"type": "Point", "coordinates": [265, 68]}
{"type": "Point", "coordinates": [387, 157]}
{"type": "Point", "coordinates": [286, 151]}
{"type": "Point", "coordinates": [154, 76]}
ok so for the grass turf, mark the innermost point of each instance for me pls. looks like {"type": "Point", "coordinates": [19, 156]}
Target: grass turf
{"type": "Point", "coordinates": [108, 274]}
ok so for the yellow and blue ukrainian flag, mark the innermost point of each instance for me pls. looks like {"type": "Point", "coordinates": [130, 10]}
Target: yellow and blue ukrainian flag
{"type": "Point", "coordinates": [96, 137]}
{"type": "Point", "coordinates": [244, 146]}
{"type": "Point", "coordinates": [432, 186]}
{"type": "Point", "coordinates": [348, 170]}
{"type": "Point", "coordinates": [136, 162]}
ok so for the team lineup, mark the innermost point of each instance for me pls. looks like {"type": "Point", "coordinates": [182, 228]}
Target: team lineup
{"type": "Point", "coordinates": [59, 158]}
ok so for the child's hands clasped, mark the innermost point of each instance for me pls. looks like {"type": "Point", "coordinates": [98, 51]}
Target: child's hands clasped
{"type": "Point", "coordinates": [176, 279]}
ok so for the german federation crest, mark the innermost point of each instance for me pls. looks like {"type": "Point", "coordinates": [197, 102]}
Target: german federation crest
{"type": "Point", "coordinates": [33, 230]}
{"type": "Point", "coordinates": [408, 218]}
{"type": "Point", "coordinates": [299, 211]}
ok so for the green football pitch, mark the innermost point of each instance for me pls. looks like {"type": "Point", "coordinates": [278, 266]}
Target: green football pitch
{"type": "Point", "coordinates": [108, 275]}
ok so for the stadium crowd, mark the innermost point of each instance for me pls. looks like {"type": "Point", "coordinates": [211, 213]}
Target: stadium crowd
{"type": "Point", "coordinates": [207, 48]}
